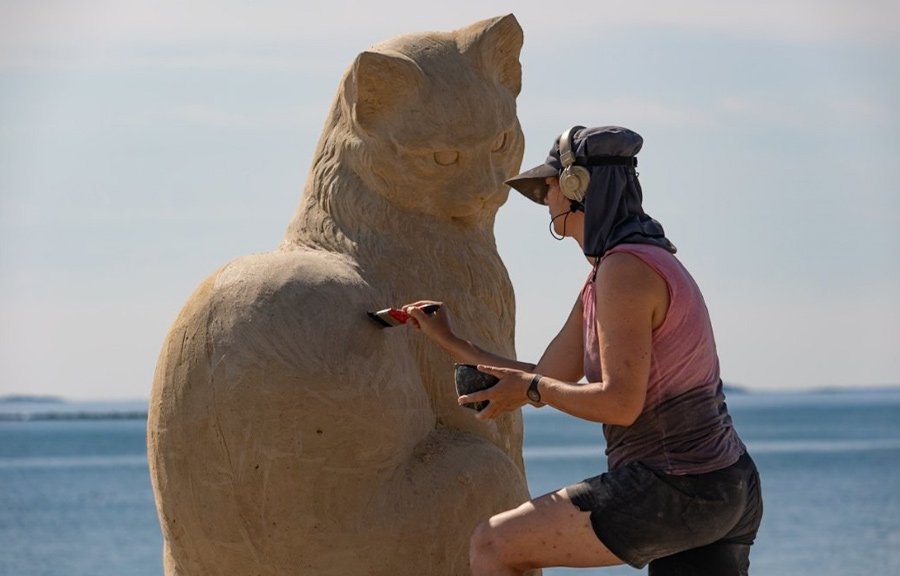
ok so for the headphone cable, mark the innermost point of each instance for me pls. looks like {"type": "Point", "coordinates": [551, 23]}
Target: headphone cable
{"type": "Point", "coordinates": [552, 220]}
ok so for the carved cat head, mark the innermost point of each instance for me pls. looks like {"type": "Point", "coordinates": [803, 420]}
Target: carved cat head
{"type": "Point", "coordinates": [433, 118]}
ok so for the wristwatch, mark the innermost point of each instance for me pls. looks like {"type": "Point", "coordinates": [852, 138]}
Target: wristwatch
{"type": "Point", "coordinates": [534, 394]}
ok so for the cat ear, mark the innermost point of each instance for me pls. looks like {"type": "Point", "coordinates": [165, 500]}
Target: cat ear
{"type": "Point", "coordinates": [495, 44]}
{"type": "Point", "coordinates": [376, 84]}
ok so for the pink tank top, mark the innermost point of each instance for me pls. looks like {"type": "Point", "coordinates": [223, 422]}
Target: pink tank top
{"type": "Point", "coordinates": [684, 427]}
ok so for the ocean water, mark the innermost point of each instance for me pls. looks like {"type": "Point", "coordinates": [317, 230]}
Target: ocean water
{"type": "Point", "coordinates": [75, 496]}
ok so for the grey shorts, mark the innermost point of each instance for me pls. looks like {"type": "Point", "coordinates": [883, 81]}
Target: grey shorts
{"type": "Point", "coordinates": [695, 524]}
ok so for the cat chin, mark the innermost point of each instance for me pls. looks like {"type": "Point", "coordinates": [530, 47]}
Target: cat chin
{"type": "Point", "coordinates": [469, 211]}
{"type": "Point", "coordinates": [461, 207]}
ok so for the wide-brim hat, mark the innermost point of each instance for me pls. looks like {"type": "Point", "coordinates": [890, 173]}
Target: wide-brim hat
{"type": "Point", "coordinates": [533, 183]}
{"type": "Point", "coordinates": [597, 146]}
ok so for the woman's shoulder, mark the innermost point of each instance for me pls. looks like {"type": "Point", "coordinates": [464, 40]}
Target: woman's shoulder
{"type": "Point", "coordinates": [652, 250]}
{"type": "Point", "coordinates": [628, 284]}
{"type": "Point", "coordinates": [658, 258]}
{"type": "Point", "coordinates": [629, 265]}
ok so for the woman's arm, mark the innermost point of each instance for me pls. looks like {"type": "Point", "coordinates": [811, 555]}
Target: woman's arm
{"type": "Point", "coordinates": [438, 328]}
{"type": "Point", "coordinates": [562, 359]}
{"type": "Point", "coordinates": [631, 300]}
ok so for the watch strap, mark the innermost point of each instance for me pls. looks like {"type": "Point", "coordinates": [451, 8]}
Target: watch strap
{"type": "Point", "coordinates": [534, 393]}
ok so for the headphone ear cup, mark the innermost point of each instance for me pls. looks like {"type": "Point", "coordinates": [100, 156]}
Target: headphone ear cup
{"type": "Point", "coordinates": [573, 182]}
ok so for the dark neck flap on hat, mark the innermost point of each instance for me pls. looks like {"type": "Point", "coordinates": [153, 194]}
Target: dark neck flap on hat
{"type": "Point", "coordinates": [613, 214]}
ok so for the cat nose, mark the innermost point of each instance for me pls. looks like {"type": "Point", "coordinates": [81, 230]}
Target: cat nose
{"type": "Point", "coordinates": [483, 178]}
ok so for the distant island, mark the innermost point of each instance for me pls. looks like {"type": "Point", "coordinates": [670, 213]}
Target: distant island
{"type": "Point", "coordinates": [30, 399]}
{"type": "Point", "coordinates": [734, 390]}
{"type": "Point", "coordinates": [33, 407]}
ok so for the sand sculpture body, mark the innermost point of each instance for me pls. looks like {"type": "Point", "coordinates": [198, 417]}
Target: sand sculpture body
{"type": "Point", "coordinates": [288, 434]}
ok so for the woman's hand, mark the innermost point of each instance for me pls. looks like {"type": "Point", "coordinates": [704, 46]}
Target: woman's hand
{"type": "Point", "coordinates": [510, 393]}
{"type": "Point", "coordinates": [435, 325]}
{"type": "Point", "coordinates": [438, 328]}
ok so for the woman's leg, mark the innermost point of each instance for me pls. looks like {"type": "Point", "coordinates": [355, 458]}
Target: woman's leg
{"type": "Point", "coordinates": [547, 531]}
{"type": "Point", "coordinates": [719, 559]}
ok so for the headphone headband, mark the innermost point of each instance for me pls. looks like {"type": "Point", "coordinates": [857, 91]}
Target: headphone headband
{"type": "Point", "coordinates": [611, 161]}
{"type": "Point", "coordinates": [566, 154]}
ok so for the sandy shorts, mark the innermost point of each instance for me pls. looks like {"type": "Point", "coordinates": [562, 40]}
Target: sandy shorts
{"type": "Point", "coordinates": [690, 525]}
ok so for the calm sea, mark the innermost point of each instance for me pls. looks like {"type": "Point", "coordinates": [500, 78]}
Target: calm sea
{"type": "Point", "coordinates": [75, 495]}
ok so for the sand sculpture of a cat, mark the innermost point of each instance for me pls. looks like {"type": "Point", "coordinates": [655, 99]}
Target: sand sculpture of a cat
{"type": "Point", "coordinates": [288, 434]}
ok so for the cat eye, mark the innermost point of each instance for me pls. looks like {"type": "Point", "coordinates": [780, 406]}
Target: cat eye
{"type": "Point", "coordinates": [446, 157]}
{"type": "Point", "coordinates": [499, 142]}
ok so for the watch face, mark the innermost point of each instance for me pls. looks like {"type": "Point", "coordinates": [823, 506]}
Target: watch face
{"type": "Point", "coordinates": [534, 395]}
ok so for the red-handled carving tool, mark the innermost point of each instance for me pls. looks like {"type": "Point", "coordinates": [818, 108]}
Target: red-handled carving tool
{"type": "Point", "coordinates": [390, 317]}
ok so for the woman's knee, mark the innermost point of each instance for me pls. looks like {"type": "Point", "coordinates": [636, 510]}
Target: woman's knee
{"type": "Point", "coordinates": [489, 551]}
{"type": "Point", "coordinates": [483, 546]}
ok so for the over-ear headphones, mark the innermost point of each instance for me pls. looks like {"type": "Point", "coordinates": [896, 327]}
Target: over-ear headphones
{"type": "Point", "coordinates": [573, 180]}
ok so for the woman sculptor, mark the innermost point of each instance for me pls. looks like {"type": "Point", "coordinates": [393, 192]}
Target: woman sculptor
{"type": "Point", "coordinates": [681, 492]}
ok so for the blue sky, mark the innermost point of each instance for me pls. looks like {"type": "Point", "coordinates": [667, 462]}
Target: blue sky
{"type": "Point", "coordinates": [145, 144]}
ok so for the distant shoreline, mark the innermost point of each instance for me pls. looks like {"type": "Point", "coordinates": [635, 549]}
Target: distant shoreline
{"type": "Point", "coordinates": [50, 399]}
{"type": "Point", "coordinates": [67, 416]}
{"type": "Point", "coordinates": [31, 399]}
{"type": "Point", "coordinates": [32, 408]}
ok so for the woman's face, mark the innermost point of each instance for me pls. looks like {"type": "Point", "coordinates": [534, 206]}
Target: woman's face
{"type": "Point", "coordinates": [554, 197]}
{"type": "Point", "coordinates": [558, 204]}
{"type": "Point", "coordinates": [566, 221]}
